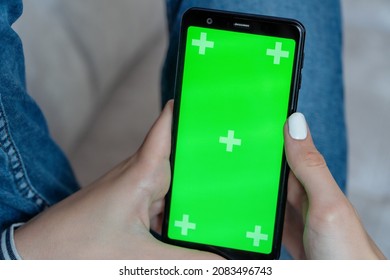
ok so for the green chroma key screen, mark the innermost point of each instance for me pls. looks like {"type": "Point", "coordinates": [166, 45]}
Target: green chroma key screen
{"type": "Point", "coordinates": [228, 154]}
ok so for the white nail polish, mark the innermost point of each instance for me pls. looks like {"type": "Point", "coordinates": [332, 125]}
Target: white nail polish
{"type": "Point", "coordinates": [297, 126]}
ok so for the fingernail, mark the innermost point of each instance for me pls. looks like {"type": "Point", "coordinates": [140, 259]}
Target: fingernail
{"type": "Point", "coordinates": [297, 127]}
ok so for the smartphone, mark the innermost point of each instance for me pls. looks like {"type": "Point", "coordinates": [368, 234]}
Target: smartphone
{"type": "Point", "coordinates": [238, 78]}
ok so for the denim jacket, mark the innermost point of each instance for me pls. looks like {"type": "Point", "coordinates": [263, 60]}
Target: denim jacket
{"type": "Point", "coordinates": [34, 173]}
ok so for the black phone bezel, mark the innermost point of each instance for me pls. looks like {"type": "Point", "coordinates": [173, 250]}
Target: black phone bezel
{"type": "Point", "coordinates": [254, 24]}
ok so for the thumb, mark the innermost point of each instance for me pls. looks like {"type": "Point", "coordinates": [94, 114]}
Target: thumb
{"type": "Point", "coordinates": [150, 165]}
{"type": "Point", "coordinates": [307, 163]}
{"type": "Point", "coordinates": [157, 144]}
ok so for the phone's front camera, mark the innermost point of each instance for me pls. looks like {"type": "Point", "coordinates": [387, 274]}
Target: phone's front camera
{"type": "Point", "coordinates": [209, 21]}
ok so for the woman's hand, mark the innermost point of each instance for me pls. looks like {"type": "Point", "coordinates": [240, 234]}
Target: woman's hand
{"type": "Point", "coordinates": [111, 218]}
{"type": "Point", "coordinates": [320, 221]}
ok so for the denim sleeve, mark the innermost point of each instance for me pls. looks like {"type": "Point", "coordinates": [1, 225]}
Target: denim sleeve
{"type": "Point", "coordinates": [34, 173]}
{"type": "Point", "coordinates": [8, 249]}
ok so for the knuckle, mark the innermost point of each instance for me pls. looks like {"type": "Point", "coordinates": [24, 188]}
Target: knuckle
{"type": "Point", "coordinates": [314, 158]}
{"type": "Point", "coordinates": [337, 213]}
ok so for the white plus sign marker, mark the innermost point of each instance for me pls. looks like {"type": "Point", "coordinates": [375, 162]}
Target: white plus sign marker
{"type": "Point", "coordinates": [185, 225]}
{"type": "Point", "coordinates": [257, 236]}
{"type": "Point", "coordinates": [202, 43]}
{"type": "Point", "coordinates": [277, 53]}
{"type": "Point", "coordinates": [230, 141]}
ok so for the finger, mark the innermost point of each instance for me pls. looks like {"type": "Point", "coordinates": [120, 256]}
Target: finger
{"type": "Point", "coordinates": [165, 251]}
{"type": "Point", "coordinates": [156, 214]}
{"type": "Point", "coordinates": [293, 232]}
{"type": "Point", "coordinates": [294, 218]}
{"type": "Point", "coordinates": [296, 195]}
{"type": "Point", "coordinates": [307, 164]}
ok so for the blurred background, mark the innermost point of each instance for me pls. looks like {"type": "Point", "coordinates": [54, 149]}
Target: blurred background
{"type": "Point", "coordinates": [367, 84]}
{"type": "Point", "coordinates": [94, 68]}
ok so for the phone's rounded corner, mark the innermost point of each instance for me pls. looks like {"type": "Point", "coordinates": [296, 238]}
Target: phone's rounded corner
{"type": "Point", "coordinates": [192, 10]}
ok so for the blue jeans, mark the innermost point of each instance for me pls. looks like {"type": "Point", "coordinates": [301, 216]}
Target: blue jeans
{"type": "Point", "coordinates": [35, 174]}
